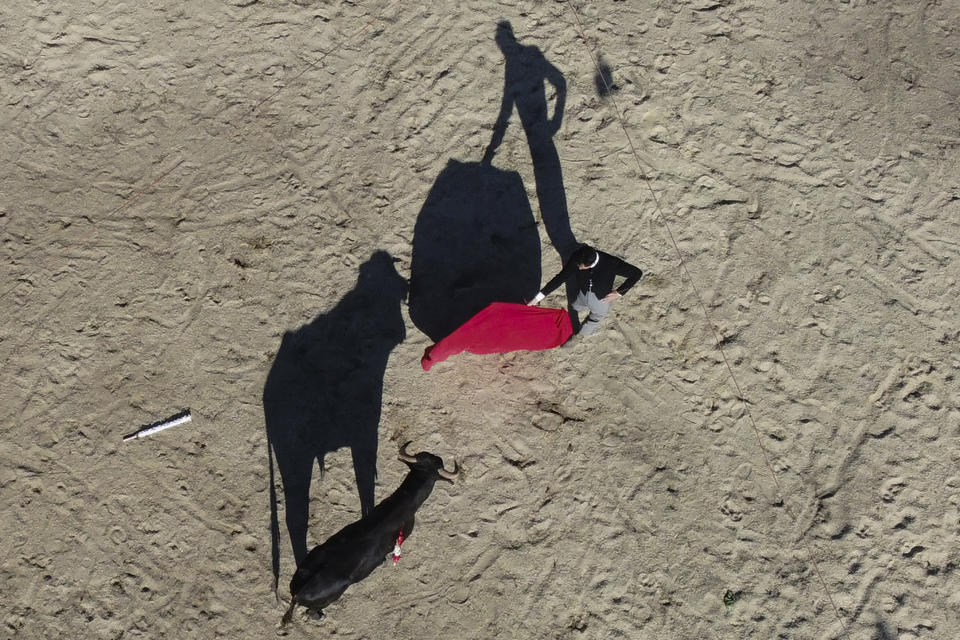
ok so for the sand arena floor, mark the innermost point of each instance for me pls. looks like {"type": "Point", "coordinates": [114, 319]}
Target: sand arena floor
{"type": "Point", "coordinates": [185, 184]}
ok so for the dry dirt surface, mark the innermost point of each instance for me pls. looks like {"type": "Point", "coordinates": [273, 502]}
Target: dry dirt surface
{"type": "Point", "coordinates": [266, 210]}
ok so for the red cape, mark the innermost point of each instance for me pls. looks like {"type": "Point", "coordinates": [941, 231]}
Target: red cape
{"type": "Point", "coordinates": [502, 327]}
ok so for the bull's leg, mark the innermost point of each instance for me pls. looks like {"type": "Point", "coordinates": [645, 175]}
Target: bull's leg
{"type": "Point", "coordinates": [316, 614]}
{"type": "Point", "coordinates": [289, 613]}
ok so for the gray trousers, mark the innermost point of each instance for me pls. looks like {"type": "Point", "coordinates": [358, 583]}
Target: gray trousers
{"type": "Point", "coordinates": [598, 311]}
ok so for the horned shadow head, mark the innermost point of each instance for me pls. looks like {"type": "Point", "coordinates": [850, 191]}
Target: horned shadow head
{"type": "Point", "coordinates": [428, 463]}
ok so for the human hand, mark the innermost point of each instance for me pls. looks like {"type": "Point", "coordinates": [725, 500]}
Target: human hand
{"type": "Point", "coordinates": [610, 297]}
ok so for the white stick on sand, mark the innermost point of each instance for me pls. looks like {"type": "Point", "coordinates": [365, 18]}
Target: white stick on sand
{"type": "Point", "coordinates": [150, 429]}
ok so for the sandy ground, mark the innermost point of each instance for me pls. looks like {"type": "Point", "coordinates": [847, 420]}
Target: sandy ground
{"type": "Point", "coordinates": [183, 187]}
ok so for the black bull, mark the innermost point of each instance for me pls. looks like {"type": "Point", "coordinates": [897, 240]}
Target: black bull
{"type": "Point", "coordinates": [351, 554]}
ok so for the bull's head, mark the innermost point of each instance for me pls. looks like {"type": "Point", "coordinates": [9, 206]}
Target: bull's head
{"type": "Point", "coordinates": [428, 463]}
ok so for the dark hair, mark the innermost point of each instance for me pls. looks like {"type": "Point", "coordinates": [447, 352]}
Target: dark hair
{"type": "Point", "coordinates": [584, 255]}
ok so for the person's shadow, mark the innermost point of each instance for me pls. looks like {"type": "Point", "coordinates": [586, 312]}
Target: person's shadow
{"type": "Point", "coordinates": [475, 242]}
{"type": "Point", "coordinates": [527, 71]}
{"type": "Point", "coordinates": [324, 392]}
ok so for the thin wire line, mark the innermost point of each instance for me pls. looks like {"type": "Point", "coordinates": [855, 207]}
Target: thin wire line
{"type": "Point", "coordinates": [706, 312]}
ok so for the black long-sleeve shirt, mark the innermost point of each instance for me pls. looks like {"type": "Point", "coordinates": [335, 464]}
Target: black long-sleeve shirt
{"type": "Point", "coordinates": [599, 278]}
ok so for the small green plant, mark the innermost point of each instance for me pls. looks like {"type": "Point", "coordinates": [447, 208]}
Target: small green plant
{"type": "Point", "coordinates": [730, 598]}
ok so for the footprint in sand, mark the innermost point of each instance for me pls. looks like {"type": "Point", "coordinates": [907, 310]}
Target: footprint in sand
{"type": "Point", "coordinates": [891, 488]}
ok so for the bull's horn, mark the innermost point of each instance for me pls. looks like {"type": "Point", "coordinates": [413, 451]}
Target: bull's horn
{"type": "Point", "coordinates": [450, 475]}
{"type": "Point", "coordinates": [404, 455]}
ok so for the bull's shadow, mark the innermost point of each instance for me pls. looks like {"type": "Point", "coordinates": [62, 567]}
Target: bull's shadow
{"type": "Point", "coordinates": [324, 392]}
{"type": "Point", "coordinates": [475, 242]}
